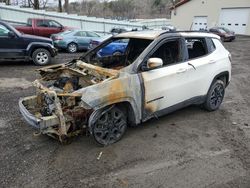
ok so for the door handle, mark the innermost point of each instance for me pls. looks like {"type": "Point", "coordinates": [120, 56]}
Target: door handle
{"type": "Point", "coordinates": [181, 71]}
{"type": "Point", "coordinates": [212, 62]}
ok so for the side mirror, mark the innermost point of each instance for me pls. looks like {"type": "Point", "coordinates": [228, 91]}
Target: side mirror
{"type": "Point", "coordinates": [11, 34]}
{"type": "Point", "coordinates": [155, 62]}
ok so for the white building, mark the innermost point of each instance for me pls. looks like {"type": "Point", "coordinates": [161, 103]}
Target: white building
{"type": "Point", "coordinates": [204, 14]}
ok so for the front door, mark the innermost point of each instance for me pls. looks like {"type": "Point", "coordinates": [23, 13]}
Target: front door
{"type": "Point", "coordinates": [166, 86]}
{"type": "Point", "coordinates": [10, 47]}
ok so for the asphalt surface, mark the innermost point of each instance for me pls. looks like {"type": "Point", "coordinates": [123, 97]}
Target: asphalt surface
{"type": "Point", "coordinates": [188, 148]}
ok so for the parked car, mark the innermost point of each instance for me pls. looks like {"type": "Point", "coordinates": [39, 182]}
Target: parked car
{"type": "Point", "coordinates": [15, 45]}
{"type": "Point", "coordinates": [169, 27]}
{"type": "Point", "coordinates": [95, 42]}
{"type": "Point", "coordinates": [114, 48]}
{"type": "Point", "coordinates": [41, 27]}
{"type": "Point", "coordinates": [157, 75]}
{"type": "Point", "coordinates": [118, 30]}
{"type": "Point", "coordinates": [74, 40]}
{"type": "Point", "coordinates": [224, 33]}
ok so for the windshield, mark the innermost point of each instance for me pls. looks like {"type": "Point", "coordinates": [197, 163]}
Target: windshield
{"type": "Point", "coordinates": [117, 53]}
{"type": "Point", "coordinates": [226, 30]}
{"type": "Point", "coordinates": [16, 31]}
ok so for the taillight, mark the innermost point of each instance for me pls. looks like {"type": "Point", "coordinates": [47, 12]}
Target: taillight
{"type": "Point", "coordinates": [230, 57]}
{"type": "Point", "coordinates": [94, 43]}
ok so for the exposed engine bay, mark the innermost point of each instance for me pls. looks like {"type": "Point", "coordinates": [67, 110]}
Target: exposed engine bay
{"type": "Point", "coordinates": [57, 96]}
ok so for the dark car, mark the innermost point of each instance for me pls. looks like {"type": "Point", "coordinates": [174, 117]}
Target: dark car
{"type": "Point", "coordinates": [15, 45]}
{"type": "Point", "coordinates": [224, 33]}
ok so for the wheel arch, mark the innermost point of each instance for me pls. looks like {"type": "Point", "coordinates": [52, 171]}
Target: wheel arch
{"type": "Point", "coordinates": [224, 76]}
{"type": "Point", "coordinates": [34, 46]}
{"type": "Point", "coordinates": [125, 105]}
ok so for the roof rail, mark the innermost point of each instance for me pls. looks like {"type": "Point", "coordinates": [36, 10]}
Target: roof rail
{"type": "Point", "coordinates": [186, 31]}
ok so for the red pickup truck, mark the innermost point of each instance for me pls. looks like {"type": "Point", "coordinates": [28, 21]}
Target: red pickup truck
{"type": "Point", "coordinates": [41, 27]}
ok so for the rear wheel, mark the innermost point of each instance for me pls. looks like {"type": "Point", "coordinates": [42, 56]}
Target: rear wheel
{"type": "Point", "coordinates": [72, 48]}
{"type": "Point", "coordinates": [109, 126]}
{"type": "Point", "coordinates": [215, 96]}
{"type": "Point", "coordinates": [41, 56]}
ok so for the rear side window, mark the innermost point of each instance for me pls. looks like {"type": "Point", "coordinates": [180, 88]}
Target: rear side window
{"type": "Point", "coordinates": [210, 45]}
{"type": "Point", "coordinates": [80, 34]}
{"type": "Point", "coordinates": [91, 34]}
{"type": "Point", "coordinates": [29, 23]}
{"type": "Point", "coordinates": [42, 23]}
{"type": "Point", "coordinates": [197, 47]}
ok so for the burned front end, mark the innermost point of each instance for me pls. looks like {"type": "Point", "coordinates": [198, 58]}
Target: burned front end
{"type": "Point", "coordinates": [57, 108]}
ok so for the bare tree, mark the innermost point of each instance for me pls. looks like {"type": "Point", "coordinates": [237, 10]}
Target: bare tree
{"type": "Point", "coordinates": [66, 6]}
{"type": "Point", "coordinates": [60, 6]}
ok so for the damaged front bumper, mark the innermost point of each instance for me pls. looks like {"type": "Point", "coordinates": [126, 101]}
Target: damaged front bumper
{"type": "Point", "coordinates": [41, 123]}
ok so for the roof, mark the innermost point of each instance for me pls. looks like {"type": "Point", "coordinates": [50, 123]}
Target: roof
{"type": "Point", "coordinates": [149, 34]}
{"type": "Point", "coordinates": [180, 3]}
{"type": "Point", "coordinates": [198, 34]}
{"type": "Point", "coordinates": [152, 34]}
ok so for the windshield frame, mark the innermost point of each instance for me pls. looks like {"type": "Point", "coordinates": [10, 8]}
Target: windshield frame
{"type": "Point", "coordinates": [87, 56]}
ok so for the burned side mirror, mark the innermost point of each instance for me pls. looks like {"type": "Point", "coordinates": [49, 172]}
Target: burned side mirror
{"type": "Point", "coordinates": [155, 62]}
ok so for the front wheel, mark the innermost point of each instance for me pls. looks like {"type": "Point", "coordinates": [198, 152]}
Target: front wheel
{"type": "Point", "coordinates": [109, 126]}
{"type": "Point", "coordinates": [215, 96]}
{"type": "Point", "coordinates": [41, 56]}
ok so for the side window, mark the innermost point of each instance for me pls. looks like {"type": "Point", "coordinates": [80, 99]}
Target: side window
{"type": "Point", "coordinates": [169, 52]}
{"type": "Point", "coordinates": [83, 33]}
{"type": "Point", "coordinates": [42, 23]}
{"type": "Point", "coordinates": [3, 31]}
{"type": "Point", "coordinates": [210, 45]}
{"type": "Point", "coordinates": [91, 34]}
{"type": "Point", "coordinates": [54, 24]}
{"type": "Point", "coordinates": [196, 47]}
{"type": "Point", "coordinates": [78, 34]}
{"type": "Point", "coordinates": [29, 23]}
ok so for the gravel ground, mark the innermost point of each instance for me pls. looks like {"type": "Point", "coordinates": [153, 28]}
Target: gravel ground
{"type": "Point", "coordinates": [188, 148]}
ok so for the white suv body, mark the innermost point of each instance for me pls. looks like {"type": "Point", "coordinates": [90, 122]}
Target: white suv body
{"type": "Point", "coordinates": [187, 81]}
{"type": "Point", "coordinates": [159, 72]}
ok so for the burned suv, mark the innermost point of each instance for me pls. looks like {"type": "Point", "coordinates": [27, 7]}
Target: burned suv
{"type": "Point", "coordinates": [158, 73]}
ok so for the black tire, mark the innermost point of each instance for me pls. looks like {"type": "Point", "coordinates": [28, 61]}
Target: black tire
{"type": "Point", "coordinates": [72, 47]}
{"type": "Point", "coordinates": [41, 57]}
{"type": "Point", "coordinates": [109, 126]}
{"type": "Point", "coordinates": [215, 96]}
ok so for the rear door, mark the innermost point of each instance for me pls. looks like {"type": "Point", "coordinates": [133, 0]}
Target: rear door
{"type": "Point", "coordinates": [203, 59]}
{"type": "Point", "coordinates": [81, 39]}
